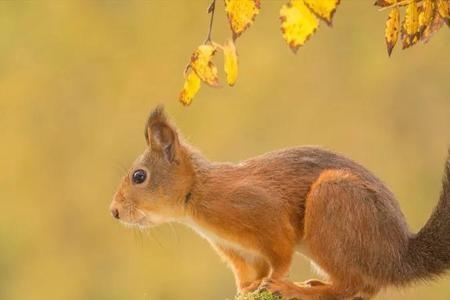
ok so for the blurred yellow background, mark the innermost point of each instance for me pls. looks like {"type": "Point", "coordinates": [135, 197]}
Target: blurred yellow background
{"type": "Point", "coordinates": [78, 78]}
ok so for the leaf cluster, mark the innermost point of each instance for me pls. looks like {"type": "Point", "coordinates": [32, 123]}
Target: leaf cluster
{"type": "Point", "coordinates": [300, 19]}
{"type": "Point", "coordinates": [422, 18]}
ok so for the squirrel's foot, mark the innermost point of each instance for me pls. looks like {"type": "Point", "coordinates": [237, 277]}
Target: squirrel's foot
{"type": "Point", "coordinates": [285, 289]}
{"type": "Point", "coordinates": [309, 290]}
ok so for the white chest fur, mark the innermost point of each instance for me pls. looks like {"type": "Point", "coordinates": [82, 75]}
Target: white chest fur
{"type": "Point", "coordinates": [245, 253]}
{"type": "Point", "coordinates": [216, 240]}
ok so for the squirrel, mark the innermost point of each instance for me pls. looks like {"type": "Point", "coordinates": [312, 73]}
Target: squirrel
{"type": "Point", "coordinates": [256, 214]}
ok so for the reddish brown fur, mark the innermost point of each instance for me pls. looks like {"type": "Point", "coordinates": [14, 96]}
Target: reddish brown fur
{"type": "Point", "coordinates": [258, 213]}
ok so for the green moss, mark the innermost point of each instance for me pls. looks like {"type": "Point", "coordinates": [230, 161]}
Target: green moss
{"type": "Point", "coordinates": [258, 296]}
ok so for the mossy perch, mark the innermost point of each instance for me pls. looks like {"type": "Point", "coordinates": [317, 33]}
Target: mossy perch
{"type": "Point", "coordinates": [264, 295]}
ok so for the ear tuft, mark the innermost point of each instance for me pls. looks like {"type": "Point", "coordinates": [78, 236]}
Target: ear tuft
{"type": "Point", "coordinates": [161, 136]}
{"type": "Point", "coordinates": [156, 116]}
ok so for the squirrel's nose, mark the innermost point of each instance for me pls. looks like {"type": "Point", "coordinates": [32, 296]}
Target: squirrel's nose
{"type": "Point", "coordinates": [115, 213]}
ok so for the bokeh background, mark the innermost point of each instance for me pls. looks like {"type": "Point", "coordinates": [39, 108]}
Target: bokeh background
{"type": "Point", "coordinates": [78, 78]}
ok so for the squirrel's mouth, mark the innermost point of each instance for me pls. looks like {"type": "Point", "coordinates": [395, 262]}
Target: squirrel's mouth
{"type": "Point", "coordinates": [141, 223]}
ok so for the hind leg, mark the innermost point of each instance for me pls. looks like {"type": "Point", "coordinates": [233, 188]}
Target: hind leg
{"type": "Point", "coordinates": [349, 235]}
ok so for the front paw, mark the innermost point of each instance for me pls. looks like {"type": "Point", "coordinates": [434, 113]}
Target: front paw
{"type": "Point", "coordinates": [271, 285]}
{"type": "Point", "coordinates": [281, 289]}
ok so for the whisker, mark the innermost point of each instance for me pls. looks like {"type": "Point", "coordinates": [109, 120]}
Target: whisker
{"type": "Point", "coordinates": [156, 240]}
{"type": "Point", "coordinates": [174, 230]}
{"type": "Point", "coordinates": [141, 212]}
{"type": "Point", "coordinates": [121, 168]}
{"type": "Point", "coordinates": [138, 237]}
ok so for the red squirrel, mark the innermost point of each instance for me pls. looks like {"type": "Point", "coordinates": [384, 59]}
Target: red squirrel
{"type": "Point", "coordinates": [256, 214]}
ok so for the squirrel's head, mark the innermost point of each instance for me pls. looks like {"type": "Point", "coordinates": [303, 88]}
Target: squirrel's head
{"type": "Point", "coordinates": [156, 186]}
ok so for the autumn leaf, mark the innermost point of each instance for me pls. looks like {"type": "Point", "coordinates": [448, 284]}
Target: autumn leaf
{"type": "Point", "coordinates": [201, 68]}
{"type": "Point", "coordinates": [410, 28]}
{"type": "Point", "coordinates": [191, 86]}
{"type": "Point", "coordinates": [422, 19]}
{"type": "Point", "coordinates": [425, 15]}
{"type": "Point", "coordinates": [434, 27]}
{"type": "Point", "coordinates": [201, 63]}
{"type": "Point", "coordinates": [443, 8]}
{"type": "Point", "coordinates": [230, 62]}
{"type": "Point", "coordinates": [241, 14]}
{"type": "Point", "coordinates": [298, 23]}
{"type": "Point", "coordinates": [407, 42]}
{"type": "Point", "coordinates": [324, 9]}
{"type": "Point", "coordinates": [392, 29]}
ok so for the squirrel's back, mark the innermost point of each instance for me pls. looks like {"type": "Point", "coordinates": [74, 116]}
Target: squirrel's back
{"type": "Point", "coordinates": [303, 165]}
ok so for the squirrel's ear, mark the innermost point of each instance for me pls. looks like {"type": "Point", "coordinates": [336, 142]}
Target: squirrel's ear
{"type": "Point", "coordinates": [160, 135]}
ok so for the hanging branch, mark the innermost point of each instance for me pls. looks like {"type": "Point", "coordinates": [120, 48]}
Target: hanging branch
{"type": "Point", "coordinates": [300, 20]}
{"type": "Point", "coordinates": [211, 11]}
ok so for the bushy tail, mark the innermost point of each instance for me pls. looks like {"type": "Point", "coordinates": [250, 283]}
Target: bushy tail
{"type": "Point", "coordinates": [428, 254]}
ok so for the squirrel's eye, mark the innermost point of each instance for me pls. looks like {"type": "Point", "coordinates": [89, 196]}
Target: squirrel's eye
{"type": "Point", "coordinates": [139, 176]}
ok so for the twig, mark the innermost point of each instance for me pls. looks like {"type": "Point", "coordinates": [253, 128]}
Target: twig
{"type": "Point", "coordinates": [400, 3]}
{"type": "Point", "coordinates": [211, 10]}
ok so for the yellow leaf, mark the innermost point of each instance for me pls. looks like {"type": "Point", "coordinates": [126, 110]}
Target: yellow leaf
{"type": "Point", "coordinates": [384, 3]}
{"type": "Point", "coordinates": [324, 9]}
{"type": "Point", "coordinates": [201, 63]}
{"type": "Point", "coordinates": [425, 15]}
{"type": "Point", "coordinates": [407, 41]}
{"type": "Point", "coordinates": [411, 25]}
{"type": "Point", "coordinates": [392, 29]}
{"type": "Point", "coordinates": [444, 10]}
{"type": "Point", "coordinates": [230, 62]}
{"type": "Point", "coordinates": [298, 23]}
{"type": "Point", "coordinates": [241, 14]}
{"type": "Point", "coordinates": [435, 25]}
{"type": "Point", "coordinates": [190, 88]}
